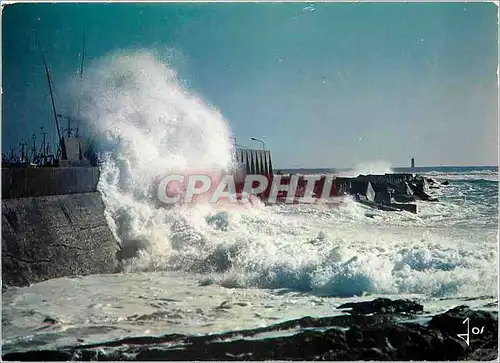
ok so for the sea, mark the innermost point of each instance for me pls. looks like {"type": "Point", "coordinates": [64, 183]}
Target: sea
{"type": "Point", "coordinates": [259, 265]}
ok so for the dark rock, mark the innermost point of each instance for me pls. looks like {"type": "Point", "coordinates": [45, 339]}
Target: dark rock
{"type": "Point", "coordinates": [404, 198]}
{"type": "Point", "coordinates": [49, 320]}
{"type": "Point", "coordinates": [454, 322]}
{"type": "Point", "coordinates": [362, 188]}
{"type": "Point", "coordinates": [419, 190]}
{"type": "Point", "coordinates": [38, 355]}
{"type": "Point", "coordinates": [374, 354]}
{"type": "Point", "coordinates": [391, 192]}
{"type": "Point", "coordinates": [402, 188]}
{"type": "Point", "coordinates": [381, 336]}
{"type": "Point", "coordinates": [409, 207]}
{"type": "Point", "coordinates": [383, 306]}
{"type": "Point", "coordinates": [383, 197]}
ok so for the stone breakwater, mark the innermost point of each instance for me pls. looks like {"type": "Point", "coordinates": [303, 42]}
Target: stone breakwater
{"type": "Point", "coordinates": [381, 329]}
{"type": "Point", "coordinates": [390, 192]}
{"type": "Point", "coordinates": [53, 225]}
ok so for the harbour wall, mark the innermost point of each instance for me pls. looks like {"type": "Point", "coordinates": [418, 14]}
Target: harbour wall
{"type": "Point", "coordinates": [23, 182]}
{"type": "Point", "coordinates": [53, 225]}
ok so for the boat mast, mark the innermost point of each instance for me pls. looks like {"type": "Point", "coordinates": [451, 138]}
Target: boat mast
{"type": "Point", "coordinates": [49, 81]}
{"type": "Point", "coordinates": [22, 145]}
{"type": "Point", "coordinates": [81, 83]}
{"type": "Point", "coordinates": [43, 146]}
{"type": "Point", "coordinates": [33, 148]}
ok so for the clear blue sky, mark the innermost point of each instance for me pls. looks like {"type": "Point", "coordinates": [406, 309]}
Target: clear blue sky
{"type": "Point", "coordinates": [344, 84]}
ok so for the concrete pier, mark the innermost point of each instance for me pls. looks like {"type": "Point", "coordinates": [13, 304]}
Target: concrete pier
{"type": "Point", "coordinates": [53, 225]}
{"type": "Point", "coordinates": [22, 182]}
{"type": "Point", "coordinates": [55, 236]}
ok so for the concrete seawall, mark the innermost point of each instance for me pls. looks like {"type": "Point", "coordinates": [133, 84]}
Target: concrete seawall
{"type": "Point", "coordinates": [53, 225]}
{"type": "Point", "coordinates": [43, 181]}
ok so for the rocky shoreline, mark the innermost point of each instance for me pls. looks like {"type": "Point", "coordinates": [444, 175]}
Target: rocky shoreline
{"type": "Point", "coordinates": [381, 329]}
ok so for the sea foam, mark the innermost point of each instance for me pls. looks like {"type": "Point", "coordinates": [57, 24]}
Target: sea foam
{"type": "Point", "coordinates": [148, 124]}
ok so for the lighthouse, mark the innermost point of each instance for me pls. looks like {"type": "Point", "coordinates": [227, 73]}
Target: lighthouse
{"type": "Point", "coordinates": [412, 163]}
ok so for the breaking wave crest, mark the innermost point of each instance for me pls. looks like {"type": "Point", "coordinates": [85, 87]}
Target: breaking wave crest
{"type": "Point", "coordinates": [374, 167]}
{"type": "Point", "coordinates": [148, 125]}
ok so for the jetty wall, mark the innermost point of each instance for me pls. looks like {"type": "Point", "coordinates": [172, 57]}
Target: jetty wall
{"type": "Point", "coordinates": [43, 181]}
{"type": "Point", "coordinates": [53, 225]}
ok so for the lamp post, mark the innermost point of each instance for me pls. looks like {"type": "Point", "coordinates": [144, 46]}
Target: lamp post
{"type": "Point", "coordinates": [263, 143]}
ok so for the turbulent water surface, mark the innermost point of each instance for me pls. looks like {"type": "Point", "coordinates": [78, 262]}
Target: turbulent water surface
{"type": "Point", "coordinates": [256, 266]}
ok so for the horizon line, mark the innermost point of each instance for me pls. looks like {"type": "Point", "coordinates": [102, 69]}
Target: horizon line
{"type": "Point", "coordinates": [395, 167]}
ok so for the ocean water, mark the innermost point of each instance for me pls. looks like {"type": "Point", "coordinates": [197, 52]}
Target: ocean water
{"type": "Point", "coordinates": [259, 265]}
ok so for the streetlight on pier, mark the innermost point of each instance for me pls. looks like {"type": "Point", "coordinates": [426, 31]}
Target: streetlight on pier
{"type": "Point", "coordinates": [263, 143]}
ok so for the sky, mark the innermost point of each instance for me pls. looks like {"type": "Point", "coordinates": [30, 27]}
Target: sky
{"type": "Point", "coordinates": [325, 85]}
